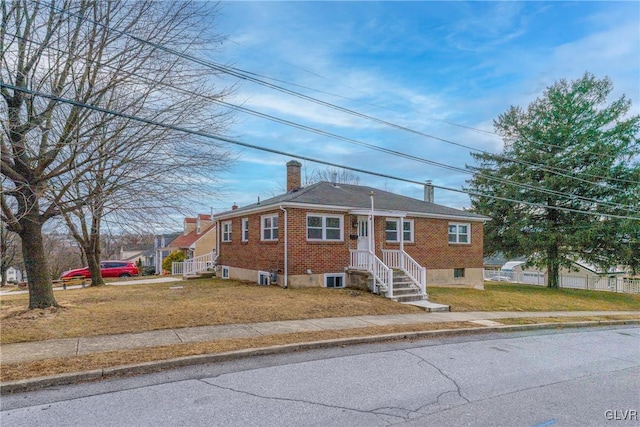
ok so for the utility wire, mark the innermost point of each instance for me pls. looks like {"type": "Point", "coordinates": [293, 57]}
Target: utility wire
{"type": "Point", "coordinates": [247, 75]}
{"type": "Point", "coordinates": [306, 158]}
{"type": "Point", "coordinates": [378, 148]}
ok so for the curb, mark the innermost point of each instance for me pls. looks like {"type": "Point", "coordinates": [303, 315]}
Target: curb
{"type": "Point", "coordinates": [30, 384]}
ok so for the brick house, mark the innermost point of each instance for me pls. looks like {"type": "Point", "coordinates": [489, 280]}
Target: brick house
{"type": "Point", "coordinates": [328, 234]}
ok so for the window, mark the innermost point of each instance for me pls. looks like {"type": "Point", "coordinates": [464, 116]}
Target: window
{"type": "Point", "coordinates": [391, 230]}
{"type": "Point", "coordinates": [269, 227]}
{"type": "Point", "coordinates": [198, 226]}
{"type": "Point", "coordinates": [459, 233]}
{"type": "Point", "coordinates": [226, 231]}
{"type": "Point", "coordinates": [264, 278]}
{"type": "Point", "coordinates": [324, 227]}
{"type": "Point", "coordinates": [334, 280]}
{"type": "Point", "coordinates": [224, 272]}
{"type": "Point", "coordinates": [458, 272]}
{"type": "Point", "coordinates": [245, 229]}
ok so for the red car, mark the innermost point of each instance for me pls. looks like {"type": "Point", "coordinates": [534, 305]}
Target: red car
{"type": "Point", "coordinates": [107, 269]}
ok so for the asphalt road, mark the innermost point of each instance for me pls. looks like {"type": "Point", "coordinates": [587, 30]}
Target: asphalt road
{"type": "Point", "coordinates": [579, 377]}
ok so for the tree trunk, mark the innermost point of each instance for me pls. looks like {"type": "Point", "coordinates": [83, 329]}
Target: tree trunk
{"type": "Point", "coordinates": [94, 252]}
{"type": "Point", "coordinates": [94, 269]}
{"type": "Point", "coordinates": [553, 267]}
{"type": "Point", "coordinates": [40, 288]}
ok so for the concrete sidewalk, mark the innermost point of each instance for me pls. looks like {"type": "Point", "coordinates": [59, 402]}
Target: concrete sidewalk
{"type": "Point", "coordinates": [70, 347]}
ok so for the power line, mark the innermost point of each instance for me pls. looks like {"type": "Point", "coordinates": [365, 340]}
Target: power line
{"type": "Point", "coordinates": [377, 148]}
{"type": "Point", "coordinates": [247, 75]}
{"type": "Point", "coordinates": [297, 156]}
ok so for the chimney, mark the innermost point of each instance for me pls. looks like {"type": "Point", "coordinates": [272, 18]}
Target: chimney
{"type": "Point", "coordinates": [294, 179]}
{"type": "Point", "coordinates": [428, 192]}
{"type": "Point", "coordinates": [234, 206]}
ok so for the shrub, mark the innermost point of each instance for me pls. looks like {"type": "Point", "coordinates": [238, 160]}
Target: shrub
{"type": "Point", "coordinates": [175, 256]}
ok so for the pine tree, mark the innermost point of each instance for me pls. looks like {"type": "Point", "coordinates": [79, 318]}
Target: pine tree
{"type": "Point", "coordinates": [567, 184]}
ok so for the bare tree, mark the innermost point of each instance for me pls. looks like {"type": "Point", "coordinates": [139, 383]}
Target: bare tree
{"type": "Point", "coordinates": [332, 174]}
{"type": "Point", "coordinates": [60, 157]}
{"type": "Point", "coordinates": [61, 250]}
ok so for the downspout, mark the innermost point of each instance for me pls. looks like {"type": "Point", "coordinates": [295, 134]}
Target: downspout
{"type": "Point", "coordinates": [286, 250]}
{"type": "Point", "coordinates": [218, 231]}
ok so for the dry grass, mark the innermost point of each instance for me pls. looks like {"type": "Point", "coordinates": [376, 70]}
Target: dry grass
{"type": "Point", "coordinates": [47, 367]}
{"type": "Point", "coordinates": [509, 297]}
{"type": "Point", "coordinates": [564, 319]}
{"type": "Point", "coordinates": [139, 308]}
{"type": "Point", "coordinates": [123, 309]}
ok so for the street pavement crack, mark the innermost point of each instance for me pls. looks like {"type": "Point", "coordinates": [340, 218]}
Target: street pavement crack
{"type": "Point", "coordinates": [177, 335]}
{"type": "Point", "coordinates": [457, 386]}
{"type": "Point", "coordinates": [324, 405]}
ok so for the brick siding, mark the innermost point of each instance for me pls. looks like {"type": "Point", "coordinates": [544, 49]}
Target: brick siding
{"type": "Point", "coordinates": [430, 247]}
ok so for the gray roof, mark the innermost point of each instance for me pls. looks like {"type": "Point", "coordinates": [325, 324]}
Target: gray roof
{"type": "Point", "coordinates": [356, 197]}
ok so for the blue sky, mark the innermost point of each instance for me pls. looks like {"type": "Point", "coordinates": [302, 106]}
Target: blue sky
{"type": "Point", "coordinates": [446, 69]}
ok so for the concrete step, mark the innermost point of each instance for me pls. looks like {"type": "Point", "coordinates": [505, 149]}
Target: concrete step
{"type": "Point", "coordinates": [429, 306]}
{"type": "Point", "coordinates": [201, 275]}
{"type": "Point", "coordinates": [407, 298]}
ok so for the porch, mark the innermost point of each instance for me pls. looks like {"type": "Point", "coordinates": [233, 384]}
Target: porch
{"type": "Point", "coordinates": [397, 276]}
{"type": "Point", "coordinates": [196, 266]}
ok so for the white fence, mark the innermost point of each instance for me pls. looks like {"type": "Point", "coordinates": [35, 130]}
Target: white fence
{"type": "Point", "coordinates": [597, 283]}
{"type": "Point", "coordinates": [195, 265]}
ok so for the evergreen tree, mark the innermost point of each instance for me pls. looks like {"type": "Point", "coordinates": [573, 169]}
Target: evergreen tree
{"type": "Point", "coordinates": [567, 184]}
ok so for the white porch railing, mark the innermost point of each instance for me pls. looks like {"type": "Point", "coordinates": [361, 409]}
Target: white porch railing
{"type": "Point", "coordinates": [382, 275]}
{"type": "Point", "coordinates": [403, 261]}
{"type": "Point", "coordinates": [192, 266]}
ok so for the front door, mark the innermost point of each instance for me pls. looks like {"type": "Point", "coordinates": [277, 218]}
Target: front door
{"type": "Point", "coordinates": [363, 233]}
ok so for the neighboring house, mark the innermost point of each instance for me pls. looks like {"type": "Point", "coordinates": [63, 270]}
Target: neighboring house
{"type": "Point", "coordinates": [198, 238]}
{"type": "Point", "coordinates": [145, 253]}
{"type": "Point", "coordinates": [161, 251]}
{"type": "Point", "coordinates": [14, 275]}
{"type": "Point", "coordinates": [322, 234]}
{"type": "Point", "coordinates": [581, 275]}
{"type": "Point", "coordinates": [494, 262]}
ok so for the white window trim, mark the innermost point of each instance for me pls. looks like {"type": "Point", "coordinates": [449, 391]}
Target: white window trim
{"type": "Point", "coordinates": [262, 228]}
{"type": "Point", "coordinates": [398, 231]}
{"type": "Point", "coordinates": [342, 275]}
{"type": "Point", "coordinates": [245, 229]}
{"type": "Point", "coordinates": [226, 234]}
{"type": "Point", "coordinates": [457, 234]}
{"type": "Point", "coordinates": [324, 227]}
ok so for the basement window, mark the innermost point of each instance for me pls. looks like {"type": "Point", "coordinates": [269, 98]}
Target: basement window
{"type": "Point", "coordinates": [224, 272]}
{"type": "Point", "coordinates": [264, 278]}
{"type": "Point", "coordinates": [458, 272]}
{"type": "Point", "coordinates": [334, 280]}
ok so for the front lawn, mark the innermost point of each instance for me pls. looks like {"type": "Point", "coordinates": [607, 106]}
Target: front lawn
{"type": "Point", "coordinates": [138, 308]}
{"type": "Point", "coordinates": [512, 297]}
